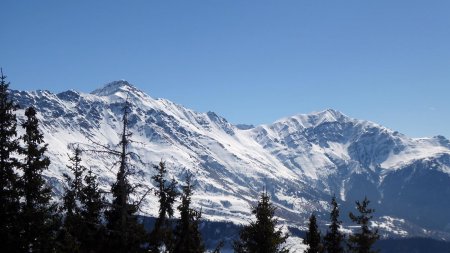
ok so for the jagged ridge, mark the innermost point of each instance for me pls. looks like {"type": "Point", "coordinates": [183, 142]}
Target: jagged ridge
{"type": "Point", "coordinates": [302, 160]}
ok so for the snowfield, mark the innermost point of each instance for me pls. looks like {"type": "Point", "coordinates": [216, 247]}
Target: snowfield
{"type": "Point", "coordinates": [301, 160]}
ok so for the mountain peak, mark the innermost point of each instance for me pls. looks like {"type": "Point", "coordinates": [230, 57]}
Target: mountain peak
{"type": "Point", "coordinates": [302, 158]}
{"type": "Point", "coordinates": [114, 87]}
{"type": "Point", "coordinates": [328, 113]}
{"type": "Point", "coordinates": [314, 119]}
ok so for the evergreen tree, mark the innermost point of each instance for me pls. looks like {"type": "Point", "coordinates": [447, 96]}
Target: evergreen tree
{"type": "Point", "coordinates": [187, 235]}
{"type": "Point", "coordinates": [75, 184]}
{"type": "Point", "coordinates": [161, 238]}
{"type": "Point", "coordinates": [126, 234]}
{"type": "Point", "coordinates": [9, 195]}
{"type": "Point", "coordinates": [83, 230]}
{"type": "Point", "coordinates": [70, 234]}
{"type": "Point", "coordinates": [334, 238]}
{"type": "Point", "coordinates": [65, 242]}
{"type": "Point", "coordinates": [261, 236]}
{"type": "Point", "coordinates": [38, 219]}
{"type": "Point", "coordinates": [92, 206]}
{"type": "Point", "coordinates": [313, 239]}
{"type": "Point", "coordinates": [363, 240]}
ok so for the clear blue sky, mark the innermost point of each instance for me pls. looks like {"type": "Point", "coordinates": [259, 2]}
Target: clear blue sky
{"type": "Point", "coordinates": [249, 61]}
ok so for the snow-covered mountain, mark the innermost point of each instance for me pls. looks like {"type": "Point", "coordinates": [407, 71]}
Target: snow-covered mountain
{"type": "Point", "coordinates": [301, 160]}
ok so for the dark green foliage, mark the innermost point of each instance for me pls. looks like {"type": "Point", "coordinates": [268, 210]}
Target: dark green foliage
{"type": "Point", "coordinates": [82, 230]}
{"type": "Point", "coordinates": [313, 237]}
{"type": "Point", "coordinates": [92, 206]}
{"type": "Point", "coordinates": [334, 238]}
{"type": "Point", "coordinates": [187, 235]}
{"type": "Point", "coordinates": [9, 194]}
{"type": "Point", "coordinates": [38, 219]}
{"type": "Point", "coordinates": [125, 233]}
{"type": "Point", "coordinates": [75, 184]}
{"type": "Point", "coordinates": [161, 238]}
{"type": "Point", "coordinates": [92, 202]}
{"type": "Point", "coordinates": [66, 243]}
{"type": "Point", "coordinates": [70, 233]}
{"type": "Point", "coordinates": [29, 221]}
{"type": "Point", "coordinates": [363, 240]}
{"type": "Point", "coordinates": [261, 236]}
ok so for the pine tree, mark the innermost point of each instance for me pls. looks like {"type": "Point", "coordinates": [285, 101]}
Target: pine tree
{"type": "Point", "coordinates": [9, 195]}
{"type": "Point", "coordinates": [38, 219]}
{"type": "Point", "coordinates": [70, 233]}
{"type": "Point", "coordinates": [363, 240]}
{"type": "Point", "coordinates": [334, 238]}
{"type": "Point", "coordinates": [187, 235]}
{"type": "Point", "coordinates": [75, 184]}
{"type": "Point", "coordinates": [83, 204]}
{"type": "Point", "coordinates": [313, 239]}
{"type": "Point", "coordinates": [261, 236]}
{"type": "Point", "coordinates": [161, 238]}
{"type": "Point", "coordinates": [92, 206]}
{"type": "Point", "coordinates": [126, 234]}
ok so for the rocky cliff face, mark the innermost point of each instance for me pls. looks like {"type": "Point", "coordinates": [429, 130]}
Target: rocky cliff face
{"type": "Point", "coordinates": [302, 160]}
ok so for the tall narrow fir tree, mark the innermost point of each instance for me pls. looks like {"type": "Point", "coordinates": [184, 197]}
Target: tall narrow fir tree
{"type": "Point", "coordinates": [187, 234]}
{"type": "Point", "coordinates": [161, 238]}
{"type": "Point", "coordinates": [9, 194]}
{"type": "Point", "coordinates": [72, 193]}
{"type": "Point", "coordinates": [333, 240]}
{"type": "Point", "coordinates": [362, 241]}
{"type": "Point", "coordinates": [262, 236]}
{"type": "Point", "coordinates": [92, 206]}
{"type": "Point", "coordinates": [69, 237]}
{"type": "Point", "coordinates": [75, 183]}
{"type": "Point", "coordinates": [313, 239]}
{"type": "Point", "coordinates": [125, 232]}
{"type": "Point", "coordinates": [38, 216]}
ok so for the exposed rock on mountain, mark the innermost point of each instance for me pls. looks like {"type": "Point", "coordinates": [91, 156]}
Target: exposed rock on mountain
{"type": "Point", "coordinates": [302, 160]}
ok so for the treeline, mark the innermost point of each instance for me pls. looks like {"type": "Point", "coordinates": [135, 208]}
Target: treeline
{"type": "Point", "coordinates": [334, 241]}
{"type": "Point", "coordinates": [85, 221]}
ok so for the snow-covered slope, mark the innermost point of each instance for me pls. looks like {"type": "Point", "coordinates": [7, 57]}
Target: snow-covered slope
{"type": "Point", "coordinates": [301, 160]}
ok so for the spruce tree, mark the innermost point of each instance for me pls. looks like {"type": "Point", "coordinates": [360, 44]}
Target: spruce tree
{"type": "Point", "coordinates": [92, 206]}
{"type": "Point", "coordinates": [334, 238]}
{"type": "Point", "coordinates": [70, 233]}
{"type": "Point", "coordinates": [161, 238]}
{"type": "Point", "coordinates": [72, 194]}
{"type": "Point", "coordinates": [125, 233]}
{"type": "Point", "coordinates": [83, 204]}
{"type": "Point", "coordinates": [187, 235]}
{"type": "Point", "coordinates": [362, 241]}
{"type": "Point", "coordinates": [38, 219]}
{"type": "Point", "coordinates": [313, 239]}
{"type": "Point", "coordinates": [75, 184]}
{"type": "Point", "coordinates": [261, 236]}
{"type": "Point", "coordinates": [92, 201]}
{"type": "Point", "coordinates": [9, 194]}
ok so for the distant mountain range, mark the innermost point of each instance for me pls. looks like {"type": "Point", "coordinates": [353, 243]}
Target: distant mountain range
{"type": "Point", "coordinates": [301, 160]}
